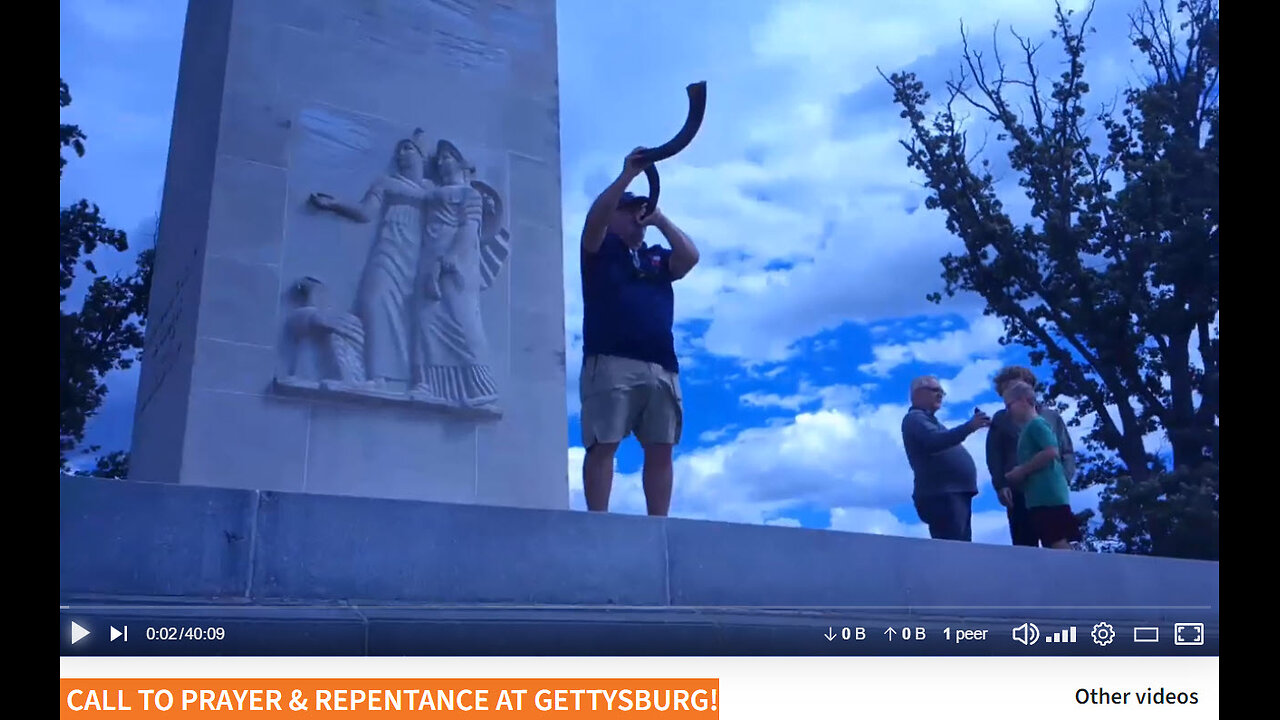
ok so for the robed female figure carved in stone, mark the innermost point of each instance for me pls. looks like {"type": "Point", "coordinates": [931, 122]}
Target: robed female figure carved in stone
{"type": "Point", "coordinates": [395, 201]}
{"type": "Point", "coordinates": [464, 248]}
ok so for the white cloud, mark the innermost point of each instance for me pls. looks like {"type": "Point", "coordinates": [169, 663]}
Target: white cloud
{"type": "Point", "coordinates": [972, 380]}
{"type": "Point", "coordinates": [815, 34]}
{"type": "Point", "coordinates": [807, 394]}
{"type": "Point", "coordinates": [783, 522]}
{"type": "Point", "coordinates": [836, 236]}
{"type": "Point", "coordinates": [956, 347]}
{"type": "Point", "coordinates": [712, 436]}
{"type": "Point", "coordinates": [876, 521]}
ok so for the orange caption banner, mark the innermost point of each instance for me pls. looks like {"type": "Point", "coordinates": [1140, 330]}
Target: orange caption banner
{"type": "Point", "coordinates": [384, 698]}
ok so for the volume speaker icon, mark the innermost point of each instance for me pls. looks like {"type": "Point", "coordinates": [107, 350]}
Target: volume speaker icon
{"type": "Point", "coordinates": [1026, 633]}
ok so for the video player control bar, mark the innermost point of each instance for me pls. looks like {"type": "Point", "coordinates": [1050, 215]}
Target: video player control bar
{"type": "Point", "coordinates": [266, 631]}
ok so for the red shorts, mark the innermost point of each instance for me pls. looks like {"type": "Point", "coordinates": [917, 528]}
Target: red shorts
{"type": "Point", "coordinates": [1054, 523]}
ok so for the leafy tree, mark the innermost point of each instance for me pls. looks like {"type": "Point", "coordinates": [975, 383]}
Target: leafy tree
{"type": "Point", "coordinates": [1114, 282]}
{"type": "Point", "coordinates": [114, 464]}
{"type": "Point", "coordinates": [1172, 513]}
{"type": "Point", "coordinates": [105, 332]}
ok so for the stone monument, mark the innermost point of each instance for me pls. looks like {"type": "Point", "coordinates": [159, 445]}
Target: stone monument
{"type": "Point", "coordinates": [358, 286]}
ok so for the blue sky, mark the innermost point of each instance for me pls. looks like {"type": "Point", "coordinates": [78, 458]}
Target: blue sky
{"type": "Point", "coordinates": [803, 325]}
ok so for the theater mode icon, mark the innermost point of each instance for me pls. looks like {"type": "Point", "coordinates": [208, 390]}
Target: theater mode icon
{"type": "Point", "coordinates": [1026, 633]}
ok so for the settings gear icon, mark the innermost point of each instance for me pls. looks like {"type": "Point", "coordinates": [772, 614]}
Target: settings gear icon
{"type": "Point", "coordinates": [1103, 634]}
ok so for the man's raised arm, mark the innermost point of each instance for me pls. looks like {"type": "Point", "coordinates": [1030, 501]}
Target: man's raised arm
{"type": "Point", "coordinates": [597, 223]}
{"type": "Point", "coordinates": [684, 254]}
{"type": "Point", "coordinates": [931, 439]}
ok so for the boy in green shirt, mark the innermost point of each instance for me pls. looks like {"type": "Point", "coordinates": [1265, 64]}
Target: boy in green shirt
{"type": "Point", "coordinates": [1039, 471]}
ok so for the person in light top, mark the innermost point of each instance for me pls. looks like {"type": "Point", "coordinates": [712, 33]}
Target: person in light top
{"type": "Point", "coordinates": [1039, 474]}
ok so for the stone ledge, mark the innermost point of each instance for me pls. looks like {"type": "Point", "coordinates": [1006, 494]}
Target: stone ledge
{"type": "Point", "coordinates": [135, 538]}
{"type": "Point", "coordinates": [182, 542]}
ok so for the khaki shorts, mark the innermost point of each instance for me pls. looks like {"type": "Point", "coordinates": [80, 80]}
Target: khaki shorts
{"type": "Point", "coordinates": [621, 396]}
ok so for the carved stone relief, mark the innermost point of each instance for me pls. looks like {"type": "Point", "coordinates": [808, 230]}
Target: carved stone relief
{"type": "Point", "coordinates": [415, 334]}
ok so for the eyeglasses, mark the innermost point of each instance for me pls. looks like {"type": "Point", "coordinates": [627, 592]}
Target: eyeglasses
{"type": "Point", "coordinates": [936, 391]}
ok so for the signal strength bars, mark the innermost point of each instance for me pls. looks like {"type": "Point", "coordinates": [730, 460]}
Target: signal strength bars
{"type": "Point", "coordinates": [1063, 636]}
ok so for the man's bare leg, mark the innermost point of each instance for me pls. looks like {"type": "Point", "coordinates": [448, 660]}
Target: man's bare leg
{"type": "Point", "coordinates": [657, 478]}
{"type": "Point", "coordinates": [597, 475]}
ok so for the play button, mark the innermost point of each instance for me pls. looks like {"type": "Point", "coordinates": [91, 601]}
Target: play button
{"type": "Point", "coordinates": [78, 633]}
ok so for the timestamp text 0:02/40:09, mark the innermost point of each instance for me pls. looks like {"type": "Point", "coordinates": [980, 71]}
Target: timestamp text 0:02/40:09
{"type": "Point", "coordinates": [186, 633]}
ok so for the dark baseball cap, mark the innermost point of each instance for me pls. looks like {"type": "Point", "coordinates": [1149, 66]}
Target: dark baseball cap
{"type": "Point", "coordinates": [629, 200]}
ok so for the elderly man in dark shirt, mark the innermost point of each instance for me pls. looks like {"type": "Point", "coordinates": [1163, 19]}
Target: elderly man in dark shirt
{"type": "Point", "coordinates": [946, 478]}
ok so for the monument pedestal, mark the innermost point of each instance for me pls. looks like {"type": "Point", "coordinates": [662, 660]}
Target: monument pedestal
{"type": "Point", "coordinates": [358, 285]}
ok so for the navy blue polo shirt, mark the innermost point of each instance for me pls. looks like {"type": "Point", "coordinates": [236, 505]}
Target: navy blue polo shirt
{"type": "Point", "coordinates": [628, 303]}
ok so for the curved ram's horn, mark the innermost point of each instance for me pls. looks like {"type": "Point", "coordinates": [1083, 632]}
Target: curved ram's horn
{"type": "Point", "coordinates": [692, 123]}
